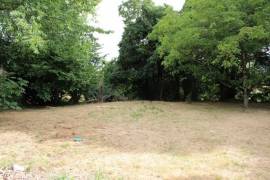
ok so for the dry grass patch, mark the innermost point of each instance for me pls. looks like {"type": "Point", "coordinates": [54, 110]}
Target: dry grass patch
{"type": "Point", "coordinates": [139, 140]}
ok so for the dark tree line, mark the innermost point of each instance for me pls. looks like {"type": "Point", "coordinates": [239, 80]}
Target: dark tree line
{"type": "Point", "coordinates": [211, 50]}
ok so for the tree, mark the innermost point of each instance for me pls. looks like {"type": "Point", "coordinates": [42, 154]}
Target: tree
{"type": "Point", "coordinates": [50, 44]}
{"type": "Point", "coordinates": [217, 41]}
{"type": "Point", "coordinates": [139, 69]}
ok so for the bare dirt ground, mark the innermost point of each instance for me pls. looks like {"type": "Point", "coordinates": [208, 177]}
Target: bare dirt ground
{"type": "Point", "coordinates": [138, 140]}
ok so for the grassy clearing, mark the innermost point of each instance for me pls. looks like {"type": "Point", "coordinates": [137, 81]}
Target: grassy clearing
{"type": "Point", "coordinates": [139, 140]}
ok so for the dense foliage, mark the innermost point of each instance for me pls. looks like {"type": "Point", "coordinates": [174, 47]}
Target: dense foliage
{"type": "Point", "coordinates": [50, 46]}
{"type": "Point", "coordinates": [214, 50]}
{"type": "Point", "coordinates": [211, 50]}
{"type": "Point", "coordinates": [223, 42]}
{"type": "Point", "coordinates": [10, 92]}
{"type": "Point", "coordinates": [138, 72]}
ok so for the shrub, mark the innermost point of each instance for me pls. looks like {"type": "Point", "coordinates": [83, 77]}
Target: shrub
{"type": "Point", "coordinates": [11, 90]}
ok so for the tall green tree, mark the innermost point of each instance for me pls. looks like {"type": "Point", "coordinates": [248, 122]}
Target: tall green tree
{"type": "Point", "coordinates": [217, 42]}
{"type": "Point", "coordinates": [139, 66]}
{"type": "Point", "coordinates": [49, 44]}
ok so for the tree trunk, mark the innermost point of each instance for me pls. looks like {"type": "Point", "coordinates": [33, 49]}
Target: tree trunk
{"type": "Point", "coordinates": [245, 70]}
{"type": "Point", "coordinates": [100, 92]}
{"type": "Point", "coordinates": [245, 95]}
{"type": "Point", "coordinates": [56, 97]}
{"type": "Point", "coordinates": [2, 72]}
{"type": "Point", "coordinates": [161, 90]}
{"type": "Point", "coordinates": [75, 97]}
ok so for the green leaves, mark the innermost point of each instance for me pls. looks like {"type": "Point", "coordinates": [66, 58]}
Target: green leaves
{"type": "Point", "coordinates": [207, 36]}
{"type": "Point", "coordinates": [248, 40]}
{"type": "Point", "coordinates": [229, 52]}
{"type": "Point", "coordinates": [139, 71]}
{"type": "Point", "coordinates": [50, 44]}
{"type": "Point", "coordinates": [7, 5]}
{"type": "Point", "coordinates": [11, 90]}
{"type": "Point", "coordinates": [23, 25]}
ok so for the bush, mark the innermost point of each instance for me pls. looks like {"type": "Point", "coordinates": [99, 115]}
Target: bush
{"type": "Point", "coordinates": [11, 90]}
{"type": "Point", "coordinates": [261, 95]}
